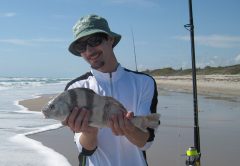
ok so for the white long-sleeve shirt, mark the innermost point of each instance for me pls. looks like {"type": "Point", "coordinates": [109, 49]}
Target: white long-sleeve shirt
{"type": "Point", "coordinates": [138, 93]}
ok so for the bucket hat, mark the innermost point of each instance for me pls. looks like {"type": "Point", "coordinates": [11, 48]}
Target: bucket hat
{"type": "Point", "coordinates": [89, 25]}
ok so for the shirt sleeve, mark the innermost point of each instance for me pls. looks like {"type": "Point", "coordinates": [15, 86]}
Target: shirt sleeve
{"type": "Point", "coordinates": [76, 139]}
{"type": "Point", "coordinates": [82, 150]}
{"type": "Point", "coordinates": [148, 105]}
{"type": "Point", "coordinates": [149, 94]}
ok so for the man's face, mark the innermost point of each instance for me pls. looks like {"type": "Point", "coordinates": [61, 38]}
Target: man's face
{"type": "Point", "coordinates": [96, 50]}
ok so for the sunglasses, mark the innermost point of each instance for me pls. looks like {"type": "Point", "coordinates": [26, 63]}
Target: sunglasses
{"type": "Point", "coordinates": [92, 41]}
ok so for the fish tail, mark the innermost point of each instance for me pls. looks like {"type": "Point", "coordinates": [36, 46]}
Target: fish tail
{"type": "Point", "coordinates": [149, 121]}
{"type": "Point", "coordinates": [153, 120]}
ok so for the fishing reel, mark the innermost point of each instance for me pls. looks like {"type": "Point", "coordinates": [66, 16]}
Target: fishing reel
{"type": "Point", "coordinates": [193, 157]}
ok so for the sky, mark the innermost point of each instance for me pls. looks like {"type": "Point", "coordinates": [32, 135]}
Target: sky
{"type": "Point", "coordinates": [35, 34]}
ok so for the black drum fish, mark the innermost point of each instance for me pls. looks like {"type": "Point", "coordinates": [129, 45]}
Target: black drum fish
{"type": "Point", "coordinates": [102, 108]}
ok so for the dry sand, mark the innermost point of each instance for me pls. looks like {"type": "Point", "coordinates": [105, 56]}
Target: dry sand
{"type": "Point", "coordinates": [61, 140]}
{"type": "Point", "coordinates": [206, 84]}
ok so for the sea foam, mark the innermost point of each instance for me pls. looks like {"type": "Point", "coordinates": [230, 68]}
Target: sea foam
{"type": "Point", "coordinates": [51, 157]}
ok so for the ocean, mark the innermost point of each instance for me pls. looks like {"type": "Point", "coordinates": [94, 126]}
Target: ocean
{"type": "Point", "coordinates": [15, 122]}
{"type": "Point", "coordinates": [218, 119]}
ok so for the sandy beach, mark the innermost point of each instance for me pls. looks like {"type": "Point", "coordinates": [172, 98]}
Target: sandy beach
{"type": "Point", "coordinates": [221, 87]}
{"type": "Point", "coordinates": [206, 84]}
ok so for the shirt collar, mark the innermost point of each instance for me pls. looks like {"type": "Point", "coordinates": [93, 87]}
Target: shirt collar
{"type": "Point", "coordinates": [107, 76]}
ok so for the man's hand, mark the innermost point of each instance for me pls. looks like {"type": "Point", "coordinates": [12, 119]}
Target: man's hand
{"type": "Point", "coordinates": [78, 121]}
{"type": "Point", "coordinates": [121, 124]}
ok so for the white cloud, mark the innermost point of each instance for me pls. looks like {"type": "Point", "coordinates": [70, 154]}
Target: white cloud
{"type": "Point", "coordinates": [216, 61]}
{"type": "Point", "coordinates": [14, 41]}
{"type": "Point", "coordinates": [219, 41]}
{"type": "Point", "coordinates": [28, 42]}
{"type": "Point", "coordinates": [237, 58]}
{"type": "Point", "coordinates": [211, 63]}
{"type": "Point", "coordinates": [8, 14]}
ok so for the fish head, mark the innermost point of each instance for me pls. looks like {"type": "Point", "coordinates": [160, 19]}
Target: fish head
{"type": "Point", "coordinates": [58, 108]}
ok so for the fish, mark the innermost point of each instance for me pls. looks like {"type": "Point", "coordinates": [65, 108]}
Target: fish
{"type": "Point", "coordinates": [102, 109]}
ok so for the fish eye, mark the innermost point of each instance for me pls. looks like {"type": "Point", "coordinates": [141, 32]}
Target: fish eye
{"type": "Point", "coordinates": [51, 107]}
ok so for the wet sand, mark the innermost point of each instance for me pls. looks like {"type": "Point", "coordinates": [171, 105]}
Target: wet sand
{"type": "Point", "coordinates": [37, 103]}
{"type": "Point", "coordinates": [60, 140]}
{"type": "Point", "coordinates": [175, 132]}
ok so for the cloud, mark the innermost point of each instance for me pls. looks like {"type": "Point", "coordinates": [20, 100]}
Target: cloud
{"type": "Point", "coordinates": [29, 42]}
{"type": "Point", "coordinates": [237, 58]}
{"type": "Point", "coordinates": [210, 62]}
{"type": "Point", "coordinates": [215, 61]}
{"type": "Point", "coordinates": [8, 14]}
{"type": "Point", "coordinates": [218, 41]}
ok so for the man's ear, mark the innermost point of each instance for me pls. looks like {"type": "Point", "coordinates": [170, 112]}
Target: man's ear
{"type": "Point", "coordinates": [111, 39]}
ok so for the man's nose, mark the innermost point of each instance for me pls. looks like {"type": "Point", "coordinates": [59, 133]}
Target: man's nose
{"type": "Point", "coordinates": [89, 50]}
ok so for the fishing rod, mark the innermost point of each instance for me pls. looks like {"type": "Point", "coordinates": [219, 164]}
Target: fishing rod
{"type": "Point", "coordinates": [193, 153]}
{"type": "Point", "coordinates": [134, 51]}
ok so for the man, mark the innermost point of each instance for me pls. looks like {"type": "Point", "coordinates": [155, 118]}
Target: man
{"type": "Point", "coordinates": [122, 144]}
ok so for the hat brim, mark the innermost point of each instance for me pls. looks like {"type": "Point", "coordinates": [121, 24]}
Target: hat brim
{"type": "Point", "coordinates": [72, 47]}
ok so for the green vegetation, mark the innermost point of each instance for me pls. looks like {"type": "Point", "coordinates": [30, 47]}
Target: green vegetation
{"type": "Point", "coordinates": [208, 70]}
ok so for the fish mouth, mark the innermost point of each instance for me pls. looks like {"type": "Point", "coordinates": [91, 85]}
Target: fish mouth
{"type": "Point", "coordinates": [46, 116]}
{"type": "Point", "coordinates": [45, 113]}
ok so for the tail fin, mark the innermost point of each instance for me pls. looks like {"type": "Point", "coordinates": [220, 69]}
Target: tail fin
{"type": "Point", "coordinates": [151, 121]}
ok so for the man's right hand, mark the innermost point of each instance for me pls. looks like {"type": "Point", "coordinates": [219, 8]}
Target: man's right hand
{"type": "Point", "coordinates": [78, 121]}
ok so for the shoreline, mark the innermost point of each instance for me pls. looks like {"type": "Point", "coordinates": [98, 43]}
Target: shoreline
{"type": "Point", "coordinates": [35, 104]}
{"type": "Point", "coordinates": [61, 139]}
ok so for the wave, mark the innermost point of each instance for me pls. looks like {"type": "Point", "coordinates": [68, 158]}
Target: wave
{"type": "Point", "coordinates": [18, 82]}
{"type": "Point", "coordinates": [51, 157]}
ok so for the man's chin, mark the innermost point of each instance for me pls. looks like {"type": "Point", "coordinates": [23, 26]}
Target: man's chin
{"type": "Point", "coordinates": [97, 66]}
